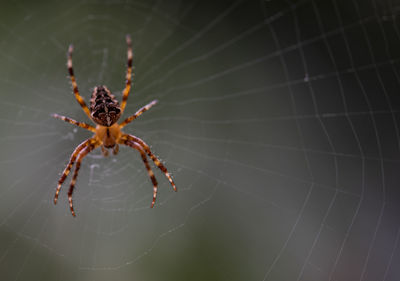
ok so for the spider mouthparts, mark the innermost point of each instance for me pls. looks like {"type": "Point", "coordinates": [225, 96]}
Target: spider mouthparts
{"type": "Point", "coordinates": [71, 48]}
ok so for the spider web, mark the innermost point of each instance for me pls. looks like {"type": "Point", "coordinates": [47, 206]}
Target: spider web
{"type": "Point", "coordinates": [278, 119]}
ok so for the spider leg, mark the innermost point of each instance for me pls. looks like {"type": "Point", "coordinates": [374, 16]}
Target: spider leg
{"type": "Point", "coordinates": [146, 163]}
{"type": "Point", "coordinates": [71, 162]}
{"type": "Point", "coordinates": [74, 85]}
{"type": "Point", "coordinates": [156, 161]}
{"type": "Point", "coordinates": [128, 76]}
{"type": "Point", "coordinates": [137, 114]}
{"type": "Point", "coordinates": [82, 154]}
{"type": "Point", "coordinates": [79, 124]}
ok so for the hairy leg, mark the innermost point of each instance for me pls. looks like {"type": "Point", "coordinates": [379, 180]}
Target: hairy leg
{"type": "Point", "coordinates": [71, 162]}
{"type": "Point", "coordinates": [156, 161]}
{"type": "Point", "coordinates": [128, 76]}
{"type": "Point", "coordinates": [146, 163]}
{"type": "Point", "coordinates": [83, 153]}
{"type": "Point", "coordinates": [72, 121]}
{"type": "Point", "coordinates": [137, 114]}
{"type": "Point", "coordinates": [73, 82]}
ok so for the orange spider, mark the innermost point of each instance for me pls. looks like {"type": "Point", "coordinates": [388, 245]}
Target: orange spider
{"type": "Point", "coordinates": [105, 112]}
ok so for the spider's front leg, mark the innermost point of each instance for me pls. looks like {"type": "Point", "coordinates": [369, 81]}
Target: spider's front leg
{"type": "Point", "coordinates": [82, 154]}
{"type": "Point", "coordinates": [146, 164]}
{"type": "Point", "coordinates": [156, 161]}
{"type": "Point", "coordinates": [71, 162]}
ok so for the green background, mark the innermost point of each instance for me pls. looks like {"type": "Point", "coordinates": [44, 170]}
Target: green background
{"type": "Point", "coordinates": [278, 120]}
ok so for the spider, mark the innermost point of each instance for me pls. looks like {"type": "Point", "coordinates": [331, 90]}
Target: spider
{"type": "Point", "coordinates": [105, 112]}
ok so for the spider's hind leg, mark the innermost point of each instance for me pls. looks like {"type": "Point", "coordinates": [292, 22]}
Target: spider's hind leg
{"type": "Point", "coordinates": [74, 84]}
{"type": "Point", "coordinates": [128, 76]}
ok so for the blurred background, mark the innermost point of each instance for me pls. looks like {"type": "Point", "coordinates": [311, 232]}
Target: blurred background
{"type": "Point", "coordinates": [279, 121]}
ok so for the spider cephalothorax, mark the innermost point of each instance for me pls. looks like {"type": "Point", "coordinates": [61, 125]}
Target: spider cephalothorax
{"type": "Point", "coordinates": [104, 107]}
{"type": "Point", "coordinates": [105, 112]}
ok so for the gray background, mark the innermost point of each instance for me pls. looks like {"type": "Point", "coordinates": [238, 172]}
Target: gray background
{"type": "Point", "coordinates": [278, 119]}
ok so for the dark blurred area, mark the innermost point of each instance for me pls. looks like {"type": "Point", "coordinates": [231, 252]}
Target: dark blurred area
{"type": "Point", "coordinates": [278, 119]}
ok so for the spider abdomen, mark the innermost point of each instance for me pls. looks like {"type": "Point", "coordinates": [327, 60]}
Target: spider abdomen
{"type": "Point", "coordinates": [104, 107]}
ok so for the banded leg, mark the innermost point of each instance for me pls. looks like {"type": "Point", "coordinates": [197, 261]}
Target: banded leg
{"type": "Point", "coordinates": [71, 162]}
{"type": "Point", "coordinates": [146, 163]}
{"type": "Point", "coordinates": [74, 85]}
{"type": "Point", "coordinates": [156, 161]}
{"type": "Point", "coordinates": [83, 153]}
{"type": "Point", "coordinates": [128, 76]}
{"type": "Point", "coordinates": [72, 121]}
{"type": "Point", "coordinates": [137, 114]}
